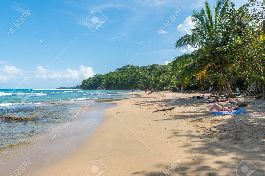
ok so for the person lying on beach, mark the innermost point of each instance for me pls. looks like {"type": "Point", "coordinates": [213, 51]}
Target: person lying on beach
{"type": "Point", "coordinates": [150, 92]}
{"type": "Point", "coordinates": [216, 99]}
{"type": "Point", "coordinates": [239, 102]}
{"type": "Point", "coordinates": [219, 107]}
{"type": "Point", "coordinates": [200, 97]}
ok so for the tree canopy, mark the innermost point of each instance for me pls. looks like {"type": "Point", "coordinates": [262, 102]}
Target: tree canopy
{"type": "Point", "coordinates": [230, 44]}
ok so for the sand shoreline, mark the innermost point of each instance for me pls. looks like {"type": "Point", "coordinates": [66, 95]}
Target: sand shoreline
{"type": "Point", "coordinates": [142, 136]}
{"type": "Point", "coordinates": [54, 146]}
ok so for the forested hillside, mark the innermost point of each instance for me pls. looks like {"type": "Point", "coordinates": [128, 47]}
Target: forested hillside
{"type": "Point", "coordinates": [158, 77]}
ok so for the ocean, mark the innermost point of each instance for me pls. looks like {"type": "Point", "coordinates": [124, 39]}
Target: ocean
{"type": "Point", "coordinates": [28, 113]}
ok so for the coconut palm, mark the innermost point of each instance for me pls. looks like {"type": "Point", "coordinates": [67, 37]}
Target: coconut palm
{"type": "Point", "coordinates": [210, 37]}
{"type": "Point", "coordinates": [207, 25]}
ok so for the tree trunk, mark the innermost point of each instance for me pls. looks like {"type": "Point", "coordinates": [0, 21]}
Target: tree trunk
{"type": "Point", "coordinates": [264, 20]}
{"type": "Point", "coordinates": [263, 89]}
{"type": "Point", "coordinates": [263, 84]}
{"type": "Point", "coordinates": [227, 86]}
{"type": "Point", "coordinates": [229, 90]}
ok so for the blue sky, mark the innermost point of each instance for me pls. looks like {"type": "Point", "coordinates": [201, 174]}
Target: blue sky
{"type": "Point", "coordinates": [52, 43]}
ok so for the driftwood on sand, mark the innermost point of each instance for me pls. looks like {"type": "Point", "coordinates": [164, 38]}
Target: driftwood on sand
{"type": "Point", "coordinates": [165, 109]}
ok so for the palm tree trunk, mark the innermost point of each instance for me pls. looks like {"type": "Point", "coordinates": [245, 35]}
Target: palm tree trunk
{"type": "Point", "coordinates": [263, 90]}
{"type": "Point", "coordinates": [264, 22]}
{"type": "Point", "coordinates": [263, 84]}
{"type": "Point", "coordinates": [228, 88]}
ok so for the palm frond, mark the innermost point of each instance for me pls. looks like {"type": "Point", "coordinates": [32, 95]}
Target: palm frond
{"type": "Point", "coordinates": [209, 18]}
{"type": "Point", "coordinates": [185, 40]}
{"type": "Point", "coordinates": [199, 17]}
{"type": "Point", "coordinates": [224, 8]}
{"type": "Point", "coordinates": [217, 9]}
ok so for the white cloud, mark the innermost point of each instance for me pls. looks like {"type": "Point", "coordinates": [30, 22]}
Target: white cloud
{"type": "Point", "coordinates": [11, 70]}
{"type": "Point", "coordinates": [72, 74]}
{"type": "Point", "coordinates": [186, 26]}
{"type": "Point", "coordinates": [86, 71]}
{"type": "Point", "coordinates": [10, 75]}
{"type": "Point", "coordinates": [167, 62]}
{"type": "Point", "coordinates": [8, 72]}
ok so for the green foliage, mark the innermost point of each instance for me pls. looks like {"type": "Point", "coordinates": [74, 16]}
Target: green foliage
{"type": "Point", "coordinates": [230, 44]}
{"type": "Point", "coordinates": [157, 77]}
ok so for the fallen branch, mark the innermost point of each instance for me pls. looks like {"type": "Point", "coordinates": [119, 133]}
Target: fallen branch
{"type": "Point", "coordinates": [166, 109]}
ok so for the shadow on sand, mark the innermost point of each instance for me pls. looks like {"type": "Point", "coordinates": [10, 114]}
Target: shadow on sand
{"type": "Point", "coordinates": [238, 138]}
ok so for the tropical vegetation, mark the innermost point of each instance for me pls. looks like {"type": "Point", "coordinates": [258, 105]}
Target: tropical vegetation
{"type": "Point", "coordinates": [230, 53]}
{"type": "Point", "coordinates": [158, 77]}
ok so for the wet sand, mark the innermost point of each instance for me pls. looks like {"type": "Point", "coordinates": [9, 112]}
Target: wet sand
{"type": "Point", "coordinates": [53, 146]}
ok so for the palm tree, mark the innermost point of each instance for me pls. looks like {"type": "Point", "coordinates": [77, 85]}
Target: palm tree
{"type": "Point", "coordinates": [207, 25]}
{"type": "Point", "coordinates": [209, 37]}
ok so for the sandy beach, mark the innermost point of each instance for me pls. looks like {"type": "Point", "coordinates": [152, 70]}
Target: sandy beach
{"type": "Point", "coordinates": [167, 134]}
{"type": "Point", "coordinates": [132, 88]}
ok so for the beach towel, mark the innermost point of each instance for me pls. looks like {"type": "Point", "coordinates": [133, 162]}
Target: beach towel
{"type": "Point", "coordinates": [234, 112]}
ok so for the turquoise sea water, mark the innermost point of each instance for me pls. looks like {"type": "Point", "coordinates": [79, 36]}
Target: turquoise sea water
{"type": "Point", "coordinates": [26, 113]}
